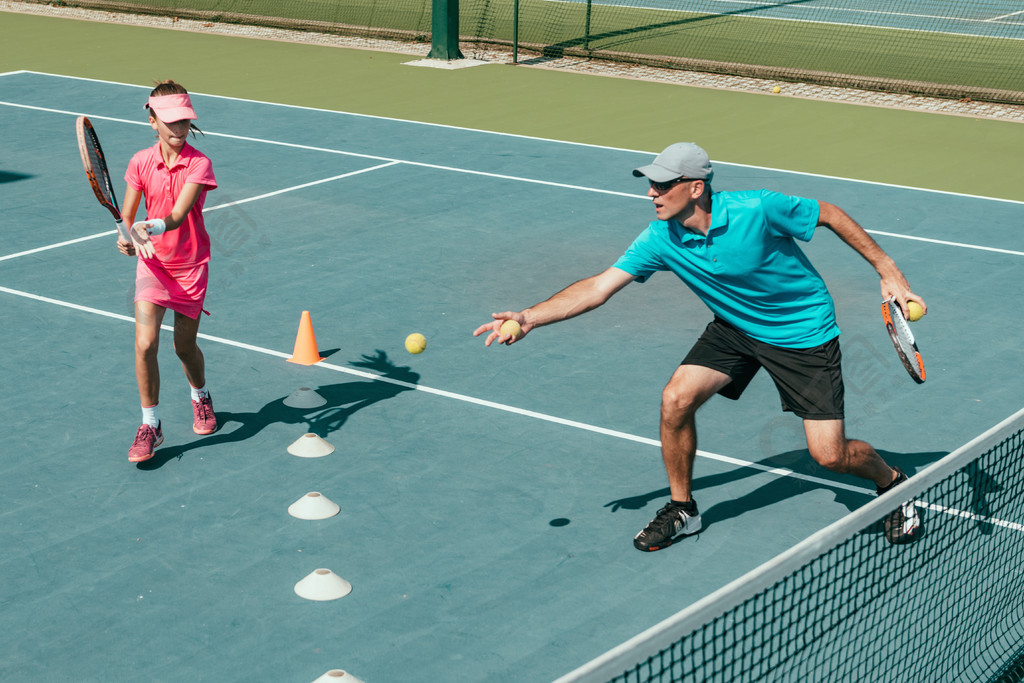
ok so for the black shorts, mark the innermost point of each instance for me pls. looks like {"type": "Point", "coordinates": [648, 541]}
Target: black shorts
{"type": "Point", "coordinates": [810, 381]}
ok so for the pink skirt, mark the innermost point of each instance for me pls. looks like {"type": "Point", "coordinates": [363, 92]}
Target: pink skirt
{"type": "Point", "coordinates": [179, 288]}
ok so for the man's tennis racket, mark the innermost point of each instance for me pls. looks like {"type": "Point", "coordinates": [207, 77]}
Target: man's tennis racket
{"type": "Point", "coordinates": [903, 339]}
{"type": "Point", "coordinates": [96, 170]}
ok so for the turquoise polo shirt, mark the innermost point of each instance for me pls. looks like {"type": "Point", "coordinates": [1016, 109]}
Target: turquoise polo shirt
{"type": "Point", "coordinates": [748, 269]}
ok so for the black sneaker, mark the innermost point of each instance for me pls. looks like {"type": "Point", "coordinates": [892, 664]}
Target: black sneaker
{"type": "Point", "coordinates": [673, 521]}
{"type": "Point", "coordinates": [904, 524]}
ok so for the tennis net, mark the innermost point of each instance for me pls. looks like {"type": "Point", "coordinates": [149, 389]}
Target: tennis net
{"type": "Point", "coordinates": [845, 605]}
{"type": "Point", "coordinates": [958, 48]}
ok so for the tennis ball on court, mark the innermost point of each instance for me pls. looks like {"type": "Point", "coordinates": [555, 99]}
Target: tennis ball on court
{"type": "Point", "coordinates": [415, 343]}
{"type": "Point", "coordinates": [776, 90]}
{"type": "Point", "coordinates": [914, 311]}
{"type": "Point", "coordinates": [512, 327]}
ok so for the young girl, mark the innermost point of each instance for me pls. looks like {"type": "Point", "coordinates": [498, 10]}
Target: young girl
{"type": "Point", "coordinates": [174, 250]}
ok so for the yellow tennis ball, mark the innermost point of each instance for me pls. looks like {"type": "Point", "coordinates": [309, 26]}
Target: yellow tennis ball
{"type": "Point", "coordinates": [776, 90]}
{"type": "Point", "coordinates": [415, 343]}
{"type": "Point", "coordinates": [512, 327]}
{"type": "Point", "coordinates": [914, 311]}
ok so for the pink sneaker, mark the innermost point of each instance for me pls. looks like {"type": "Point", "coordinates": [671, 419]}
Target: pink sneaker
{"type": "Point", "coordinates": [146, 441]}
{"type": "Point", "coordinates": [205, 421]}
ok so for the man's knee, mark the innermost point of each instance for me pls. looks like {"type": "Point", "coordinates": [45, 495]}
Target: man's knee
{"type": "Point", "coordinates": [840, 455]}
{"type": "Point", "coordinates": [689, 388]}
{"type": "Point", "coordinates": [678, 401]}
{"type": "Point", "coordinates": [832, 456]}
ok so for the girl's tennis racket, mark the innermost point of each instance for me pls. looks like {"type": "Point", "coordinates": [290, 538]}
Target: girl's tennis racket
{"type": "Point", "coordinates": [903, 339]}
{"type": "Point", "coordinates": [96, 170]}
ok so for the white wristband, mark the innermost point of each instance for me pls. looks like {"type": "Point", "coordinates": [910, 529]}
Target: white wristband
{"type": "Point", "coordinates": [156, 226]}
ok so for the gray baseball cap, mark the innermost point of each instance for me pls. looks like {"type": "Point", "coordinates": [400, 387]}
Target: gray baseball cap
{"type": "Point", "coordinates": [680, 160]}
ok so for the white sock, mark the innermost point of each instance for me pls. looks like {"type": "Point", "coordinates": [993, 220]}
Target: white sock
{"type": "Point", "coordinates": [199, 393]}
{"type": "Point", "coordinates": [149, 417]}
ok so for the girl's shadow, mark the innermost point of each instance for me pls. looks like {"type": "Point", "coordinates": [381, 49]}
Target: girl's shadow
{"type": "Point", "coordinates": [343, 400]}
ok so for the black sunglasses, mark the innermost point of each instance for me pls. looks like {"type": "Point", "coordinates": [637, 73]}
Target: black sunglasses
{"type": "Point", "coordinates": [665, 187]}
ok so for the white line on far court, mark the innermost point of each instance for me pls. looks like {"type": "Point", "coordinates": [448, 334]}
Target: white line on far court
{"type": "Point", "coordinates": [207, 209]}
{"type": "Point", "coordinates": [387, 162]}
{"type": "Point", "coordinates": [1004, 16]}
{"type": "Point", "coordinates": [962, 245]}
{"type": "Point", "coordinates": [300, 187]}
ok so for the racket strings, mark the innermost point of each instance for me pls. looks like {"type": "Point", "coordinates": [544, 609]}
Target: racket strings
{"type": "Point", "coordinates": [902, 328]}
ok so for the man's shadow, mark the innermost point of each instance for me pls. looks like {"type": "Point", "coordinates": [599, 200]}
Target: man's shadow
{"type": "Point", "coordinates": [778, 489]}
{"type": "Point", "coordinates": [343, 400]}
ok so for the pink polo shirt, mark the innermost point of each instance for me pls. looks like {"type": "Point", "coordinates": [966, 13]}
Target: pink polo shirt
{"type": "Point", "coordinates": [190, 243]}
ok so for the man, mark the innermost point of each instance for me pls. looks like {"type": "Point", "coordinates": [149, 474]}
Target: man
{"type": "Point", "coordinates": [737, 251]}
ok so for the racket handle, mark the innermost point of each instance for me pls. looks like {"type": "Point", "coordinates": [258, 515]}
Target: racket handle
{"type": "Point", "coordinates": [121, 231]}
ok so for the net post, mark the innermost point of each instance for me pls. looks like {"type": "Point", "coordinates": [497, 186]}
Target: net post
{"type": "Point", "coordinates": [444, 40]}
{"type": "Point", "coordinates": [586, 39]}
{"type": "Point", "coordinates": [515, 32]}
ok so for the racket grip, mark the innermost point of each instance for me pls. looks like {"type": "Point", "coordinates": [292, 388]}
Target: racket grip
{"type": "Point", "coordinates": [121, 231]}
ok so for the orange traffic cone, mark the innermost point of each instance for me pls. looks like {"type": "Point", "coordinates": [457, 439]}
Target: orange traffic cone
{"type": "Point", "coordinates": [305, 352]}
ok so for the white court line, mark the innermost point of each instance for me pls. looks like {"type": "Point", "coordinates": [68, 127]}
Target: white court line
{"type": "Point", "coordinates": [300, 187]}
{"type": "Point", "coordinates": [1006, 16]}
{"type": "Point", "coordinates": [392, 162]}
{"type": "Point", "coordinates": [475, 130]}
{"type": "Point", "coordinates": [328, 150]}
{"type": "Point", "coordinates": [961, 245]}
{"type": "Point", "coordinates": [57, 245]}
{"type": "Point", "coordinates": [205, 210]}
{"type": "Point", "coordinates": [972, 516]}
{"type": "Point", "coordinates": [776, 471]}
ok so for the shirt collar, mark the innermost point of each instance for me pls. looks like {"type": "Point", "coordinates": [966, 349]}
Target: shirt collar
{"type": "Point", "coordinates": [186, 152]}
{"type": "Point", "coordinates": [719, 219]}
{"type": "Point", "coordinates": [719, 214]}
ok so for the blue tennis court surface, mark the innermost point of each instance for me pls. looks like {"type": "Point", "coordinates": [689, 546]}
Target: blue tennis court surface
{"type": "Point", "coordinates": [488, 496]}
